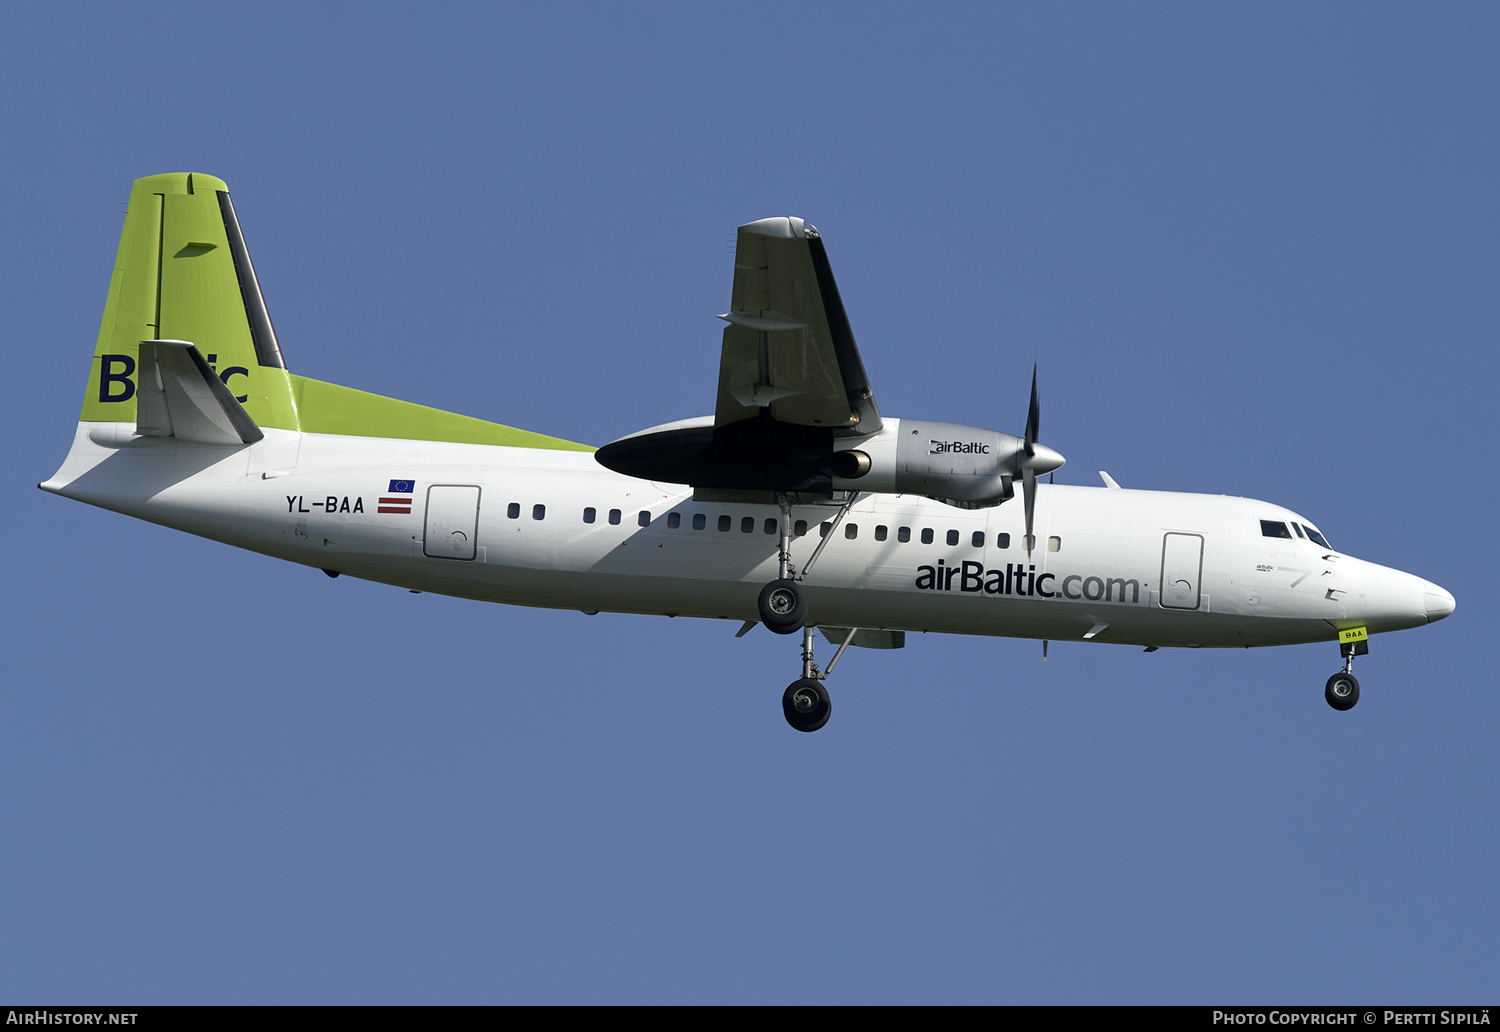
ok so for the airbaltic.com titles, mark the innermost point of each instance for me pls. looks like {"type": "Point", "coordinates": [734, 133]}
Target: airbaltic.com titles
{"type": "Point", "coordinates": [1022, 579]}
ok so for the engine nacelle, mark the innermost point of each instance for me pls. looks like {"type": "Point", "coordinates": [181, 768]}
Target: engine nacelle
{"type": "Point", "coordinates": [965, 466]}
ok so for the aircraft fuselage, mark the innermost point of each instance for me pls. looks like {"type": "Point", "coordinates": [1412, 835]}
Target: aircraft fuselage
{"type": "Point", "coordinates": [554, 529]}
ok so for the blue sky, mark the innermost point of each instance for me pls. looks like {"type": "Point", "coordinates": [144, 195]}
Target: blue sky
{"type": "Point", "coordinates": [1253, 249]}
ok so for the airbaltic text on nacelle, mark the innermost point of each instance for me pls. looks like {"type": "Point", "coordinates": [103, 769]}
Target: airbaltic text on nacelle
{"type": "Point", "coordinates": [958, 448]}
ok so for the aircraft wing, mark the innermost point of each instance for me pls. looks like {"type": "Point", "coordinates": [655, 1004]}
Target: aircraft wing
{"type": "Point", "coordinates": [788, 353]}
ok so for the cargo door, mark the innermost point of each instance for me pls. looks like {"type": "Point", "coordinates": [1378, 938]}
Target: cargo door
{"type": "Point", "coordinates": [1181, 571]}
{"type": "Point", "coordinates": [452, 521]}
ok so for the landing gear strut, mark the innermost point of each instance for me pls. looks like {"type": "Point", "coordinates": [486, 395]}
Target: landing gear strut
{"type": "Point", "coordinates": [805, 701]}
{"type": "Point", "coordinates": [1342, 691]}
{"type": "Point", "coordinates": [782, 606]}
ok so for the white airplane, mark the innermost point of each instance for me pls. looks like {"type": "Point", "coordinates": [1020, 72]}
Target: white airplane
{"type": "Point", "coordinates": [795, 505]}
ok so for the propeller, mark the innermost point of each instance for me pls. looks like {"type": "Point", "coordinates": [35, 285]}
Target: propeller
{"type": "Point", "coordinates": [1038, 458]}
{"type": "Point", "coordinates": [1028, 468]}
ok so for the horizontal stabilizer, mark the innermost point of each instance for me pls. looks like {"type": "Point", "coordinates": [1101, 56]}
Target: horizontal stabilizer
{"type": "Point", "coordinates": [180, 396]}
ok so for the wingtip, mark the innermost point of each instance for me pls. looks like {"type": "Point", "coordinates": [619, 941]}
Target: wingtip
{"type": "Point", "coordinates": [786, 227]}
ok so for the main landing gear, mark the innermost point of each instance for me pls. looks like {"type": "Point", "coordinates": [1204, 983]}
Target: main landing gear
{"type": "Point", "coordinates": [806, 704]}
{"type": "Point", "coordinates": [805, 701]}
{"type": "Point", "coordinates": [1342, 691]}
{"type": "Point", "coordinates": [782, 605]}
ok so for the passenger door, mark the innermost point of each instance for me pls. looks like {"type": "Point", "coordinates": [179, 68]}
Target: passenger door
{"type": "Point", "coordinates": [1181, 571]}
{"type": "Point", "coordinates": [452, 521]}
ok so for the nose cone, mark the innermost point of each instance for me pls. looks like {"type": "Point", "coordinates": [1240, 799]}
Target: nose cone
{"type": "Point", "coordinates": [1045, 460]}
{"type": "Point", "coordinates": [1440, 603]}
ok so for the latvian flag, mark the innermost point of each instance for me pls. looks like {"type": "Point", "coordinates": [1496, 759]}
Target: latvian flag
{"type": "Point", "coordinates": [398, 499]}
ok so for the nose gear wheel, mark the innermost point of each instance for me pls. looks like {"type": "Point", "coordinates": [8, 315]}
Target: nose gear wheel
{"type": "Point", "coordinates": [1342, 691]}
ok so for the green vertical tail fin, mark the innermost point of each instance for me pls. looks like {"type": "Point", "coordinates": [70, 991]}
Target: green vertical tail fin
{"type": "Point", "coordinates": [183, 273]}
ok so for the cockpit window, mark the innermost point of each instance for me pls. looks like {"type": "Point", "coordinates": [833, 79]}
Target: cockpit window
{"type": "Point", "coordinates": [1317, 538]}
{"type": "Point", "coordinates": [1298, 528]}
{"type": "Point", "coordinates": [1272, 528]}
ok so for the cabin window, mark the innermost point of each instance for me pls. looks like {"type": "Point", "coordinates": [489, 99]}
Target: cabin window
{"type": "Point", "coordinates": [614, 517]}
{"type": "Point", "coordinates": [800, 528]}
{"type": "Point", "coordinates": [747, 525]}
{"type": "Point", "coordinates": [588, 515]}
{"type": "Point", "coordinates": [725, 522]}
{"type": "Point", "coordinates": [881, 532]}
{"type": "Point", "coordinates": [978, 539]}
{"type": "Point", "coordinates": [952, 537]}
{"type": "Point", "coordinates": [1317, 538]}
{"type": "Point", "coordinates": [926, 535]}
{"type": "Point", "coordinates": [699, 521]}
{"type": "Point", "coordinates": [513, 510]}
{"type": "Point", "coordinates": [903, 534]}
{"type": "Point", "coordinates": [771, 526]}
{"type": "Point", "coordinates": [674, 520]}
{"type": "Point", "coordinates": [1271, 528]}
{"type": "Point", "coordinates": [824, 528]}
{"type": "Point", "coordinates": [1297, 530]}
{"type": "Point", "coordinates": [1054, 544]}
{"type": "Point", "coordinates": [643, 519]}
{"type": "Point", "coordinates": [851, 531]}
{"type": "Point", "coordinates": [539, 512]}
{"type": "Point", "coordinates": [1002, 540]}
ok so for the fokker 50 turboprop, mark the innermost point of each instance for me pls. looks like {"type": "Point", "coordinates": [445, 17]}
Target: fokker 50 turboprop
{"type": "Point", "coordinates": [796, 504]}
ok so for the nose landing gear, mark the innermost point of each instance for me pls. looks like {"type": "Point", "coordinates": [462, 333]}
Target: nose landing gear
{"type": "Point", "coordinates": [1342, 690]}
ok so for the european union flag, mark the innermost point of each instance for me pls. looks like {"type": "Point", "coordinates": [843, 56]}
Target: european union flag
{"type": "Point", "coordinates": [402, 486]}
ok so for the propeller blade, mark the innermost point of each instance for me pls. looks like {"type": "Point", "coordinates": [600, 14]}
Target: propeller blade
{"type": "Point", "coordinates": [1029, 483]}
{"type": "Point", "coordinates": [1033, 416]}
{"type": "Point", "coordinates": [1044, 650]}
